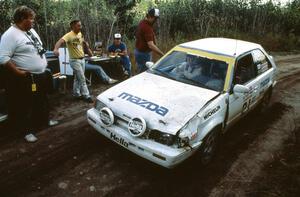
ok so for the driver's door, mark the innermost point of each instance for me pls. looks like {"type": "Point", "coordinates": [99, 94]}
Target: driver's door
{"type": "Point", "coordinates": [244, 74]}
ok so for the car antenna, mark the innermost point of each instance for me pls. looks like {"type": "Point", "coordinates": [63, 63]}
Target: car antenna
{"type": "Point", "coordinates": [236, 41]}
{"type": "Point", "coordinates": [235, 33]}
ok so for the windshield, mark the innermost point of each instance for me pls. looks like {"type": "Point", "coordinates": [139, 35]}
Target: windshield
{"type": "Point", "coordinates": [193, 69]}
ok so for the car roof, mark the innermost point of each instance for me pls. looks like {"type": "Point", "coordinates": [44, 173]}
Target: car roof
{"type": "Point", "coordinates": [222, 46]}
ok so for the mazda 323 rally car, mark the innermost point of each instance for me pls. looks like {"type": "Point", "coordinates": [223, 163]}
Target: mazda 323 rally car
{"type": "Point", "coordinates": [183, 103]}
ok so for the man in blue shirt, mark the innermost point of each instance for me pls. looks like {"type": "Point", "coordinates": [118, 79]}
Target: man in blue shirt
{"type": "Point", "coordinates": [119, 48]}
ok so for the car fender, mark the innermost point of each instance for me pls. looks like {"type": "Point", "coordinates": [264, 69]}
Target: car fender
{"type": "Point", "coordinates": [210, 126]}
{"type": "Point", "coordinates": [214, 120]}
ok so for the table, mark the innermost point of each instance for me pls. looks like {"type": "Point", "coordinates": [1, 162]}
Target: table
{"type": "Point", "coordinates": [111, 65]}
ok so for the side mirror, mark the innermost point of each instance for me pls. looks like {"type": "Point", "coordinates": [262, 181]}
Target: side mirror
{"type": "Point", "coordinates": [149, 64]}
{"type": "Point", "coordinates": [240, 89]}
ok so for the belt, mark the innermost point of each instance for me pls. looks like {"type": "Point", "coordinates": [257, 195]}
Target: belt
{"type": "Point", "coordinates": [143, 51]}
{"type": "Point", "coordinates": [37, 76]}
{"type": "Point", "coordinates": [41, 75]}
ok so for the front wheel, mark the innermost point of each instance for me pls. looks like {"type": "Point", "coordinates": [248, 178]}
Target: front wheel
{"type": "Point", "coordinates": [209, 147]}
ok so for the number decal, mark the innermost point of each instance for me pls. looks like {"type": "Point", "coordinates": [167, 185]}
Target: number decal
{"type": "Point", "coordinates": [247, 104]}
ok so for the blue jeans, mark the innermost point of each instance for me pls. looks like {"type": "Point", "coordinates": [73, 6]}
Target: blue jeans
{"type": "Point", "coordinates": [141, 58]}
{"type": "Point", "coordinates": [98, 70]}
{"type": "Point", "coordinates": [125, 61]}
{"type": "Point", "coordinates": [79, 86]}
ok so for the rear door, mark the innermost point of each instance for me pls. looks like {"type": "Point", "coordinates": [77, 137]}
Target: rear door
{"type": "Point", "coordinates": [264, 72]}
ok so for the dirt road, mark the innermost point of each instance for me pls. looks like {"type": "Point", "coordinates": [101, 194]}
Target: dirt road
{"type": "Point", "coordinates": [71, 159]}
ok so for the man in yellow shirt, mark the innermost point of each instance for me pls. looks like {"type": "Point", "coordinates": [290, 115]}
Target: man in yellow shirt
{"type": "Point", "coordinates": [75, 42]}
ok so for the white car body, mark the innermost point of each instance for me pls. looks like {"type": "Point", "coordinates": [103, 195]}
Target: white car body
{"type": "Point", "coordinates": [144, 112]}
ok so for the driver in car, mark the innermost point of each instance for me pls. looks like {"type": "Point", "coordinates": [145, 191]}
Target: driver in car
{"type": "Point", "coordinates": [190, 69]}
{"type": "Point", "coordinates": [186, 69]}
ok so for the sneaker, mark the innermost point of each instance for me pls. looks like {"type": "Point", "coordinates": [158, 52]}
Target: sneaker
{"type": "Point", "coordinates": [112, 81]}
{"type": "Point", "coordinates": [126, 73]}
{"type": "Point", "coordinates": [88, 100]}
{"type": "Point", "coordinates": [30, 138]}
{"type": "Point", "coordinates": [52, 123]}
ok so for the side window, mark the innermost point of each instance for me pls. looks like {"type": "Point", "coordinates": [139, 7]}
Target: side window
{"type": "Point", "coordinates": [245, 70]}
{"type": "Point", "coordinates": [260, 61]}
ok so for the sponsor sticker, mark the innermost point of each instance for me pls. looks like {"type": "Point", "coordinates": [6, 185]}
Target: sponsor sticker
{"type": "Point", "coordinates": [211, 112]}
{"type": "Point", "coordinates": [119, 140]}
{"type": "Point", "coordinates": [106, 116]}
{"type": "Point", "coordinates": [137, 126]}
{"type": "Point", "coordinates": [160, 110]}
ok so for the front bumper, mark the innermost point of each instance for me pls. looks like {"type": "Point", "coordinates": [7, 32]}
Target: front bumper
{"type": "Point", "coordinates": [158, 153]}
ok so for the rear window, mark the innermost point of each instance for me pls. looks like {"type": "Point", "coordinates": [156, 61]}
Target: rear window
{"type": "Point", "coordinates": [261, 61]}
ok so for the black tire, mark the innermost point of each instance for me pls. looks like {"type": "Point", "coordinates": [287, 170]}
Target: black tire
{"type": "Point", "coordinates": [209, 147]}
{"type": "Point", "coordinates": [264, 104]}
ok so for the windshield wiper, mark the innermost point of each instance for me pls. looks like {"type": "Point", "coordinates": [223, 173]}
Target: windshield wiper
{"type": "Point", "coordinates": [161, 73]}
{"type": "Point", "coordinates": [191, 82]}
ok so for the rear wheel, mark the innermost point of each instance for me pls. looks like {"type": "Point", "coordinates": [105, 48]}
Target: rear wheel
{"type": "Point", "coordinates": [209, 147]}
{"type": "Point", "coordinates": [263, 106]}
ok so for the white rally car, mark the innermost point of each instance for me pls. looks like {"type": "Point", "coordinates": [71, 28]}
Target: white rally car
{"type": "Point", "coordinates": [183, 103]}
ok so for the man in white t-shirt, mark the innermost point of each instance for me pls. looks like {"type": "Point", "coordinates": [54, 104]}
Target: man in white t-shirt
{"type": "Point", "coordinates": [23, 57]}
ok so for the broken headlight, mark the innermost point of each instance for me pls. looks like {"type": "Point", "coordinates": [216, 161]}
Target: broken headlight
{"type": "Point", "coordinates": [183, 140]}
{"type": "Point", "coordinates": [163, 138]}
{"type": "Point", "coordinates": [188, 134]}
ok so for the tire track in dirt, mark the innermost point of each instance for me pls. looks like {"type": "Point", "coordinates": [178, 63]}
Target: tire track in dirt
{"type": "Point", "coordinates": [50, 157]}
{"type": "Point", "coordinates": [24, 167]}
{"type": "Point", "coordinates": [250, 163]}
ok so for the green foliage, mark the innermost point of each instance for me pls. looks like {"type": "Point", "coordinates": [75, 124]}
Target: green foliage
{"type": "Point", "coordinates": [275, 26]}
{"type": "Point", "coordinates": [251, 20]}
{"type": "Point", "coordinates": [5, 14]}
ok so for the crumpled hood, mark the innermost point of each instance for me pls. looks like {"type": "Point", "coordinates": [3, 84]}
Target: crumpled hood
{"type": "Point", "coordinates": [165, 104]}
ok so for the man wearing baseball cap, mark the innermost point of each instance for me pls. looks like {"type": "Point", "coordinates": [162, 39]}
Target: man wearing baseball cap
{"type": "Point", "coordinates": [145, 40]}
{"type": "Point", "coordinates": [119, 48]}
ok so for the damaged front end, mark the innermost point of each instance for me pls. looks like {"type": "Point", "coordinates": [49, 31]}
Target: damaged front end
{"type": "Point", "coordinates": [188, 135]}
{"type": "Point", "coordinates": [185, 137]}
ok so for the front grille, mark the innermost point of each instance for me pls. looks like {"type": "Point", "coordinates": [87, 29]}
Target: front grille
{"type": "Point", "coordinates": [122, 122]}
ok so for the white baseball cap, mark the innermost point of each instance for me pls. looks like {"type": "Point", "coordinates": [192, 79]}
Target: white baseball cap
{"type": "Point", "coordinates": [117, 36]}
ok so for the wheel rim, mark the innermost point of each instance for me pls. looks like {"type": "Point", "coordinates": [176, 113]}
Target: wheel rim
{"type": "Point", "coordinates": [209, 148]}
